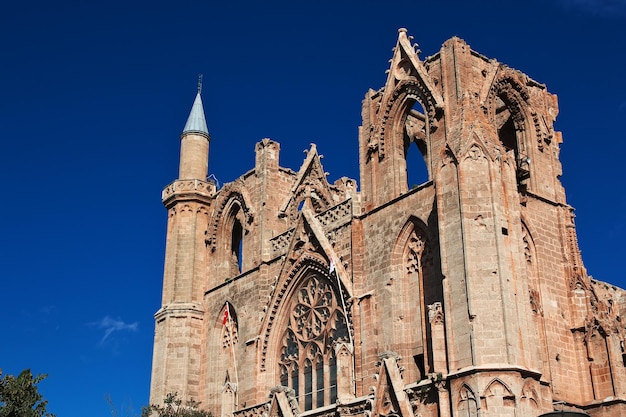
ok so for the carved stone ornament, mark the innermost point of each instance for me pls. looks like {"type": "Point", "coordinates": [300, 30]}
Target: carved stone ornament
{"type": "Point", "coordinates": [535, 301]}
{"type": "Point", "coordinates": [304, 243]}
{"type": "Point", "coordinates": [403, 69]}
{"type": "Point", "coordinates": [416, 249]}
{"type": "Point", "coordinates": [475, 153]}
{"type": "Point", "coordinates": [527, 251]}
{"type": "Point", "coordinates": [435, 313]}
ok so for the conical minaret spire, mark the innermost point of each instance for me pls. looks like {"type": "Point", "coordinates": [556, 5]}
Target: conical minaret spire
{"type": "Point", "coordinates": [194, 146]}
{"type": "Point", "coordinates": [196, 122]}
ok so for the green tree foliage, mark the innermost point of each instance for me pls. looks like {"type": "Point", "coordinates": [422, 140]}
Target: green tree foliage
{"type": "Point", "coordinates": [173, 407]}
{"type": "Point", "coordinates": [19, 396]}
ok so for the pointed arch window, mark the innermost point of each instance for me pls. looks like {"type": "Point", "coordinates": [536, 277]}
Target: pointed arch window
{"type": "Point", "coordinates": [230, 335]}
{"type": "Point", "coordinates": [228, 360]}
{"type": "Point", "coordinates": [236, 244]}
{"type": "Point", "coordinates": [236, 230]}
{"type": "Point", "coordinates": [415, 147]}
{"type": "Point", "coordinates": [307, 357]}
{"type": "Point", "coordinates": [505, 118]}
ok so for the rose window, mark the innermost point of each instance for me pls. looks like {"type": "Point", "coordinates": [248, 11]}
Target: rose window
{"type": "Point", "coordinates": [307, 358]}
{"type": "Point", "coordinates": [312, 309]}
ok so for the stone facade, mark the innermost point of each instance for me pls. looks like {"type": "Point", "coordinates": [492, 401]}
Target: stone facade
{"type": "Point", "coordinates": [466, 295]}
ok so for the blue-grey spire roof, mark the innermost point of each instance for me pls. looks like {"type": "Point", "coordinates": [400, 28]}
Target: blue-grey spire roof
{"type": "Point", "coordinates": [196, 123]}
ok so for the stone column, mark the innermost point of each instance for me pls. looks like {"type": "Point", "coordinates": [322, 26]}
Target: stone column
{"type": "Point", "coordinates": [438, 337]}
{"type": "Point", "coordinates": [444, 398]}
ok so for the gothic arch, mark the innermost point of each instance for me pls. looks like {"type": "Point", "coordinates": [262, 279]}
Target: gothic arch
{"type": "Point", "coordinates": [530, 251]}
{"type": "Point", "coordinates": [418, 167]}
{"type": "Point", "coordinates": [307, 318]}
{"type": "Point", "coordinates": [476, 149]}
{"type": "Point", "coordinates": [277, 315]}
{"type": "Point", "coordinates": [397, 109]}
{"type": "Point", "coordinates": [231, 221]}
{"type": "Point", "coordinates": [467, 404]}
{"type": "Point", "coordinates": [412, 269]}
{"type": "Point", "coordinates": [218, 360]}
{"type": "Point", "coordinates": [599, 358]}
{"type": "Point", "coordinates": [448, 156]}
{"type": "Point", "coordinates": [532, 270]}
{"type": "Point", "coordinates": [499, 398]}
{"type": "Point", "coordinates": [229, 194]}
{"type": "Point", "coordinates": [510, 112]}
{"type": "Point", "coordinates": [229, 325]}
{"type": "Point", "coordinates": [510, 89]}
{"type": "Point", "coordinates": [497, 387]}
{"type": "Point", "coordinates": [529, 399]}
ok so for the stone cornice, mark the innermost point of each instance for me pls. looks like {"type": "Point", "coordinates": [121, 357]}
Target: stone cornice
{"type": "Point", "coordinates": [177, 309]}
{"type": "Point", "coordinates": [495, 367]}
{"type": "Point", "coordinates": [188, 190]}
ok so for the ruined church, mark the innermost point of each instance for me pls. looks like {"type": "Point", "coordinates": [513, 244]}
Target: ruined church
{"type": "Point", "coordinates": [285, 295]}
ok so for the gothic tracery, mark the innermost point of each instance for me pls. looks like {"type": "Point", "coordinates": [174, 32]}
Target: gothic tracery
{"type": "Point", "coordinates": [307, 359]}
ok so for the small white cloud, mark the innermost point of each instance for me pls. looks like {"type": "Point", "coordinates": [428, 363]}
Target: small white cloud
{"type": "Point", "coordinates": [110, 325]}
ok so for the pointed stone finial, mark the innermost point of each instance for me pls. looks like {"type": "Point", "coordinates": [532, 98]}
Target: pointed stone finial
{"type": "Point", "coordinates": [199, 83]}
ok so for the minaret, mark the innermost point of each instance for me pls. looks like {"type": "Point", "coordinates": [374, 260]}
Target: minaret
{"type": "Point", "coordinates": [194, 143]}
{"type": "Point", "coordinates": [179, 321]}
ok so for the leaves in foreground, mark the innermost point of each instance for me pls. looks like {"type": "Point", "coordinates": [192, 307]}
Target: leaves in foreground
{"type": "Point", "coordinates": [173, 407]}
{"type": "Point", "coordinates": [19, 396]}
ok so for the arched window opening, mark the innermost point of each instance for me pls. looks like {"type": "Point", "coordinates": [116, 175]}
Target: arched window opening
{"type": "Point", "coordinates": [415, 147]}
{"type": "Point", "coordinates": [415, 282]}
{"type": "Point", "coordinates": [236, 247]}
{"type": "Point", "coordinates": [308, 385]}
{"type": "Point", "coordinates": [506, 127]}
{"type": "Point", "coordinates": [507, 135]}
{"type": "Point", "coordinates": [307, 358]}
{"type": "Point", "coordinates": [295, 380]}
{"type": "Point", "coordinates": [228, 318]}
{"type": "Point", "coordinates": [319, 376]}
{"type": "Point", "coordinates": [333, 378]}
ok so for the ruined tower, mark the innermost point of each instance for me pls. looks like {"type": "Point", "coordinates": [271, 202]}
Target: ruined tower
{"type": "Point", "coordinates": [464, 295]}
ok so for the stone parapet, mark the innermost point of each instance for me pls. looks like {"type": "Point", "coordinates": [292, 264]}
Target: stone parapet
{"type": "Point", "coordinates": [331, 219]}
{"type": "Point", "coordinates": [188, 190]}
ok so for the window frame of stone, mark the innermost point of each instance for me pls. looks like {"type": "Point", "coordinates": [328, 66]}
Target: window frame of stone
{"type": "Point", "coordinates": [306, 358]}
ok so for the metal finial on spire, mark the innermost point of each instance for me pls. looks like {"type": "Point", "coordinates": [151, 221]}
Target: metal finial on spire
{"type": "Point", "coordinates": [199, 83]}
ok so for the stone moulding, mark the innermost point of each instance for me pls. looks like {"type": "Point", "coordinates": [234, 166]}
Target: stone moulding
{"type": "Point", "coordinates": [500, 367]}
{"type": "Point", "coordinates": [179, 309]}
{"type": "Point", "coordinates": [187, 189]}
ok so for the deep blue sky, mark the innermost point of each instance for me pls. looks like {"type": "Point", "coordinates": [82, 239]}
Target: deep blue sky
{"type": "Point", "coordinates": [94, 95]}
